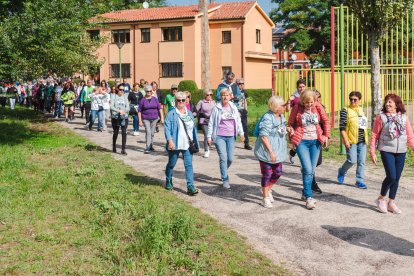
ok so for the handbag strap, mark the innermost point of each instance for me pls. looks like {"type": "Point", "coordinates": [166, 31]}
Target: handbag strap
{"type": "Point", "coordinates": [185, 128]}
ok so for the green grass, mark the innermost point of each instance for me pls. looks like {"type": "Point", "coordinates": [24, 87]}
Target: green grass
{"type": "Point", "coordinates": [68, 207]}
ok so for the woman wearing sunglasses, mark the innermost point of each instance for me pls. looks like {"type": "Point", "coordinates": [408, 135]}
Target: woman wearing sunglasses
{"type": "Point", "coordinates": [204, 108]}
{"type": "Point", "coordinates": [353, 127]}
{"type": "Point", "coordinates": [179, 128]}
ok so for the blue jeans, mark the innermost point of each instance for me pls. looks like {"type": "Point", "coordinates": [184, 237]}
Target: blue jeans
{"type": "Point", "coordinates": [393, 165]}
{"type": "Point", "coordinates": [308, 153]}
{"type": "Point", "coordinates": [225, 150]}
{"type": "Point", "coordinates": [188, 165]}
{"type": "Point", "coordinates": [135, 122]}
{"type": "Point", "coordinates": [58, 109]}
{"type": "Point", "coordinates": [357, 154]}
{"type": "Point", "coordinates": [95, 113]}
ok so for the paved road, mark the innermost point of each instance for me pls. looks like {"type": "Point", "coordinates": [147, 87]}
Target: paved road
{"type": "Point", "coordinates": [344, 235]}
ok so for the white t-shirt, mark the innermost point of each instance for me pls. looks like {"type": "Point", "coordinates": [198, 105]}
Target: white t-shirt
{"type": "Point", "coordinates": [182, 142]}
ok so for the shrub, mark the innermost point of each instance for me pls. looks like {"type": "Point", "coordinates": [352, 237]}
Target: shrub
{"type": "Point", "coordinates": [187, 85]}
{"type": "Point", "coordinates": [111, 83]}
{"type": "Point", "coordinates": [259, 96]}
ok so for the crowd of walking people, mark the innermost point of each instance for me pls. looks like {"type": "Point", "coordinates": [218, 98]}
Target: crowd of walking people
{"type": "Point", "coordinates": [222, 119]}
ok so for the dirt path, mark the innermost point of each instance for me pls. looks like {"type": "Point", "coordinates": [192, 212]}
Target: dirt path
{"type": "Point", "coordinates": [344, 235]}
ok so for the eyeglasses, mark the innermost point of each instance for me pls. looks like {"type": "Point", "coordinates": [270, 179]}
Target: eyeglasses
{"type": "Point", "coordinates": [180, 100]}
{"type": "Point", "coordinates": [353, 99]}
{"type": "Point", "coordinates": [240, 83]}
{"type": "Point", "coordinates": [209, 94]}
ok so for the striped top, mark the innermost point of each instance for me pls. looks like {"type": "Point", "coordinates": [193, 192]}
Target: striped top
{"type": "Point", "coordinates": [342, 125]}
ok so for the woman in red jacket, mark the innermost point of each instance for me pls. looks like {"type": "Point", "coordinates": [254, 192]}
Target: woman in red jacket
{"type": "Point", "coordinates": [308, 137]}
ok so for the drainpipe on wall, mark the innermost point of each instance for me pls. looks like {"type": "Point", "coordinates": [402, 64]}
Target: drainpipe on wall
{"type": "Point", "coordinates": [242, 51]}
{"type": "Point", "coordinates": [133, 55]}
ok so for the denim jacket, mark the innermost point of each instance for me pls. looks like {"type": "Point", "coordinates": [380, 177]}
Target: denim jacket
{"type": "Point", "coordinates": [275, 130]}
{"type": "Point", "coordinates": [171, 127]}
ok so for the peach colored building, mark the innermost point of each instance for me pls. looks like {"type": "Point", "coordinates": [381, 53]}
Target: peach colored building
{"type": "Point", "coordinates": [164, 44]}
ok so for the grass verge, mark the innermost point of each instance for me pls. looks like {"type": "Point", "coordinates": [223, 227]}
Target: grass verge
{"type": "Point", "coordinates": [67, 207]}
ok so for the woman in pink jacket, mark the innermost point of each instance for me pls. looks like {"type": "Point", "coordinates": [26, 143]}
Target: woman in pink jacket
{"type": "Point", "coordinates": [392, 133]}
{"type": "Point", "coordinates": [308, 137]}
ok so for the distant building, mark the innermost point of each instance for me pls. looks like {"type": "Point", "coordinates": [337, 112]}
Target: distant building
{"type": "Point", "coordinates": [164, 44]}
{"type": "Point", "coordinates": [285, 58]}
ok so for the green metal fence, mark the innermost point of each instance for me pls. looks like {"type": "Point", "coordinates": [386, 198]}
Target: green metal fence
{"type": "Point", "coordinates": [350, 68]}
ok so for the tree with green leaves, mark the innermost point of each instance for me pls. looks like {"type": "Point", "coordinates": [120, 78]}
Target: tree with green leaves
{"type": "Point", "coordinates": [39, 36]}
{"type": "Point", "coordinates": [376, 18]}
{"type": "Point", "coordinates": [308, 25]}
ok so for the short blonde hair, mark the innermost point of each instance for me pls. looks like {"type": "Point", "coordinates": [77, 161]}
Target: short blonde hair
{"type": "Point", "coordinates": [274, 102]}
{"type": "Point", "coordinates": [224, 90]}
{"type": "Point", "coordinates": [181, 95]}
{"type": "Point", "coordinates": [188, 93]}
{"type": "Point", "coordinates": [306, 96]}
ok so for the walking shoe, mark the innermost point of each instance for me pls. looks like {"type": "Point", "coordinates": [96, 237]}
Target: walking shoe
{"type": "Point", "coordinates": [147, 151]}
{"type": "Point", "coordinates": [89, 127]}
{"type": "Point", "coordinates": [99, 129]}
{"type": "Point", "coordinates": [191, 191]}
{"type": "Point", "coordinates": [206, 154]}
{"type": "Point", "coordinates": [267, 203]}
{"type": "Point", "coordinates": [151, 148]}
{"type": "Point", "coordinates": [310, 203]}
{"type": "Point", "coordinates": [135, 133]}
{"type": "Point", "coordinates": [381, 205]}
{"type": "Point", "coordinates": [361, 185]}
{"type": "Point", "coordinates": [114, 149]}
{"type": "Point", "coordinates": [316, 188]}
{"type": "Point", "coordinates": [248, 147]}
{"type": "Point", "coordinates": [393, 208]}
{"type": "Point", "coordinates": [341, 178]}
{"type": "Point", "coordinates": [270, 196]}
{"type": "Point", "coordinates": [226, 184]}
{"type": "Point", "coordinates": [291, 159]}
{"type": "Point", "coordinates": [67, 120]}
{"type": "Point", "coordinates": [303, 197]}
{"type": "Point", "coordinates": [124, 152]}
{"type": "Point", "coordinates": [168, 184]}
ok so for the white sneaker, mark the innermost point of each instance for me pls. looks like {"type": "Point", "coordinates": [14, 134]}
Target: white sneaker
{"type": "Point", "coordinates": [226, 184]}
{"type": "Point", "coordinates": [135, 133]}
{"type": "Point", "coordinates": [310, 203]}
{"type": "Point", "coordinates": [270, 196]}
{"type": "Point", "coordinates": [206, 154]}
{"type": "Point", "coordinates": [267, 203]}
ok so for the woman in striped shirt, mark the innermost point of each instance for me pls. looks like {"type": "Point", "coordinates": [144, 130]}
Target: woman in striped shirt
{"type": "Point", "coordinates": [353, 127]}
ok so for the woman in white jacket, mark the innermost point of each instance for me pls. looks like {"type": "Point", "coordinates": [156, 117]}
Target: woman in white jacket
{"type": "Point", "coordinates": [223, 127]}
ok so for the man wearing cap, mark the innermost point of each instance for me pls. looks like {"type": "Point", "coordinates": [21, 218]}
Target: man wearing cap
{"type": "Point", "coordinates": [170, 98]}
{"type": "Point", "coordinates": [242, 107]}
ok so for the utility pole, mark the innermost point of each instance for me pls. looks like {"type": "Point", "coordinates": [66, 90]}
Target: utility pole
{"type": "Point", "coordinates": [205, 47]}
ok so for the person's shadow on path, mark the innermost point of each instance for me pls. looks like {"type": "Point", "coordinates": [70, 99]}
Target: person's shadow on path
{"type": "Point", "coordinates": [373, 239]}
{"type": "Point", "coordinates": [325, 196]}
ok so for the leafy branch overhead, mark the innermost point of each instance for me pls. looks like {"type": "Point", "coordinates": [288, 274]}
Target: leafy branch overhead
{"type": "Point", "coordinates": [379, 16]}
{"type": "Point", "coordinates": [308, 25]}
{"type": "Point", "coordinates": [38, 36]}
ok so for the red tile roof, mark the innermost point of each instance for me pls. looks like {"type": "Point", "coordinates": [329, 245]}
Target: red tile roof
{"type": "Point", "coordinates": [232, 10]}
{"type": "Point", "coordinates": [218, 11]}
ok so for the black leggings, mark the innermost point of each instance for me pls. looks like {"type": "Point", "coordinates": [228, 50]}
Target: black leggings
{"type": "Point", "coordinates": [115, 127]}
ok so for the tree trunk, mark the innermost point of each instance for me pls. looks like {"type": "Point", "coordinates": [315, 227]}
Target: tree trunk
{"type": "Point", "coordinates": [205, 47]}
{"type": "Point", "coordinates": [376, 93]}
